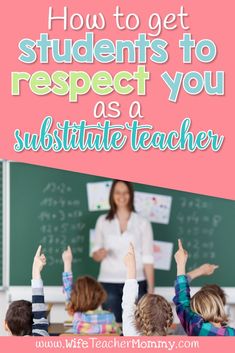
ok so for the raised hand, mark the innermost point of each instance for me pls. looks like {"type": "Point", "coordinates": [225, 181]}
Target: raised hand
{"type": "Point", "coordinates": [67, 258]}
{"type": "Point", "coordinates": [207, 269]}
{"type": "Point", "coordinates": [181, 257]}
{"type": "Point", "coordinates": [38, 263]}
{"type": "Point", "coordinates": [203, 270]}
{"type": "Point", "coordinates": [129, 261]}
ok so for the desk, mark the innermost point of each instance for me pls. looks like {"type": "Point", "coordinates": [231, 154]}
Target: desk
{"type": "Point", "coordinates": [56, 329]}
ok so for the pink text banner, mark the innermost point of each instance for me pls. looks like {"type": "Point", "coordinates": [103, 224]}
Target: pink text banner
{"type": "Point", "coordinates": [122, 344]}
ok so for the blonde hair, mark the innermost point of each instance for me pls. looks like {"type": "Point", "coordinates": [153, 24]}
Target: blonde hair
{"type": "Point", "coordinates": [209, 305]}
{"type": "Point", "coordinates": [217, 289]}
{"type": "Point", "coordinates": [153, 315]}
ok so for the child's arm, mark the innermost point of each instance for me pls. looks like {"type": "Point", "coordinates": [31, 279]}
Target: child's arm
{"type": "Point", "coordinates": [190, 321]}
{"type": "Point", "coordinates": [130, 293]}
{"type": "Point", "coordinates": [40, 322]}
{"type": "Point", "coordinates": [130, 263]}
{"type": "Point", "coordinates": [67, 275]}
{"type": "Point", "coordinates": [149, 273]}
{"type": "Point", "coordinates": [203, 270]}
{"type": "Point", "coordinates": [147, 254]}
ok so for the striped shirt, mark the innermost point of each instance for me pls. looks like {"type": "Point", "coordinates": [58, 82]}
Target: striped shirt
{"type": "Point", "coordinates": [193, 323]}
{"type": "Point", "coordinates": [40, 322]}
{"type": "Point", "coordinates": [92, 321]}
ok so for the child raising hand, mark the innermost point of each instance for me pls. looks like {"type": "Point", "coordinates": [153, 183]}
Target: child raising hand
{"type": "Point", "coordinates": [24, 318]}
{"type": "Point", "coordinates": [84, 299]}
{"type": "Point", "coordinates": [204, 314]}
{"type": "Point", "coordinates": [152, 315]}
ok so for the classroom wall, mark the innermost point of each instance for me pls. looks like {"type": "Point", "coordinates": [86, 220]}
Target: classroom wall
{"type": "Point", "coordinates": [3, 309]}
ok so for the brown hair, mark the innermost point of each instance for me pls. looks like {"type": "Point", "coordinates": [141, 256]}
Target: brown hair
{"type": "Point", "coordinates": [209, 305]}
{"type": "Point", "coordinates": [19, 318]}
{"type": "Point", "coordinates": [113, 207]}
{"type": "Point", "coordinates": [87, 294]}
{"type": "Point", "coordinates": [153, 315]}
{"type": "Point", "coordinates": [217, 289]}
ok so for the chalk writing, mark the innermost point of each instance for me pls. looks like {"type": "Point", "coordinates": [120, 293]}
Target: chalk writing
{"type": "Point", "coordinates": [61, 222]}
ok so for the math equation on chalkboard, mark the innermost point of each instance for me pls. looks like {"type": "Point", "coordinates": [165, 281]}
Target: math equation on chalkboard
{"type": "Point", "coordinates": [60, 218]}
{"type": "Point", "coordinates": [197, 222]}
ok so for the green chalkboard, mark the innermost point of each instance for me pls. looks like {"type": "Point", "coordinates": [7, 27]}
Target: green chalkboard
{"type": "Point", "coordinates": [1, 223]}
{"type": "Point", "coordinates": [50, 207]}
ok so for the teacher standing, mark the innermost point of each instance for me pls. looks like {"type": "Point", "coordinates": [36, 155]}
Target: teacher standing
{"type": "Point", "coordinates": [114, 232]}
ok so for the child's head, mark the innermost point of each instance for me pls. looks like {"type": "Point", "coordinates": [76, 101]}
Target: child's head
{"type": "Point", "coordinates": [153, 315]}
{"type": "Point", "coordinates": [87, 294]}
{"type": "Point", "coordinates": [18, 319]}
{"type": "Point", "coordinates": [216, 289]}
{"type": "Point", "coordinates": [209, 304]}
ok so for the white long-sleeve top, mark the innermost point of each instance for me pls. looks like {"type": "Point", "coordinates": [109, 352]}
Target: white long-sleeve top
{"type": "Point", "coordinates": [130, 294]}
{"type": "Point", "coordinates": [108, 235]}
